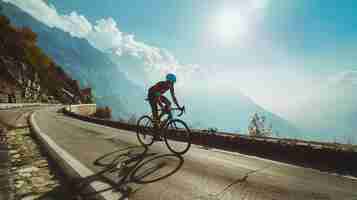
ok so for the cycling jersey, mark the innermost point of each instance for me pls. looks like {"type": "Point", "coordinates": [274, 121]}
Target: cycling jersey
{"type": "Point", "coordinates": [160, 88]}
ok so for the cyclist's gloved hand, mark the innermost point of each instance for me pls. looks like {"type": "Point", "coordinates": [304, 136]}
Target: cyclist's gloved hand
{"type": "Point", "coordinates": [182, 108]}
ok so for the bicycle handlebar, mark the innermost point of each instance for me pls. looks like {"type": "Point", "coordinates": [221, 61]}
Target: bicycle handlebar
{"type": "Point", "coordinates": [183, 110]}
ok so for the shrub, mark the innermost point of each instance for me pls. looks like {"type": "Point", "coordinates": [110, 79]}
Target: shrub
{"type": "Point", "coordinates": [132, 119]}
{"type": "Point", "coordinates": [104, 113]}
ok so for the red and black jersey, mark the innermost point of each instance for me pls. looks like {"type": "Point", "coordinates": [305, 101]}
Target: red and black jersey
{"type": "Point", "coordinates": [160, 87]}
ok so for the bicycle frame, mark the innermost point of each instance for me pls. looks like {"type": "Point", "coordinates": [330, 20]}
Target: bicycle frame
{"type": "Point", "coordinates": [170, 117]}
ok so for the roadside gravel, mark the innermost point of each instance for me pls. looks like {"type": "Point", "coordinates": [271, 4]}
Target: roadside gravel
{"type": "Point", "coordinates": [26, 172]}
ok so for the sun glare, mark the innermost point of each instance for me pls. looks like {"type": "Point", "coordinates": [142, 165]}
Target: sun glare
{"type": "Point", "coordinates": [229, 25]}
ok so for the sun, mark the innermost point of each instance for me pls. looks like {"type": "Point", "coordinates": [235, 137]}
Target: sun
{"type": "Point", "coordinates": [229, 25]}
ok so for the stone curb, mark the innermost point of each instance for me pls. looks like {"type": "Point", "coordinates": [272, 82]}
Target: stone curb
{"type": "Point", "coordinates": [71, 166]}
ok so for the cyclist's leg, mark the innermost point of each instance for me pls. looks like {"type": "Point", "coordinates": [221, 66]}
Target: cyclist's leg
{"type": "Point", "coordinates": [167, 106]}
{"type": "Point", "coordinates": [153, 105]}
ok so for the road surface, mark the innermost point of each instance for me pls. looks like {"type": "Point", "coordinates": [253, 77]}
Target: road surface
{"type": "Point", "coordinates": [16, 118]}
{"type": "Point", "coordinates": [201, 174]}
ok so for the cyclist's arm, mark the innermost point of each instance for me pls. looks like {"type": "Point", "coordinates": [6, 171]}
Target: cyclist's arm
{"type": "Point", "coordinates": [172, 91]}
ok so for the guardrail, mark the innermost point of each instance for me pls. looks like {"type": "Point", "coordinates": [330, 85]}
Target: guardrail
{"type": "Point", "coordinates": [304, 153]}
{"type": "Point", "coordinates": [110, 123]}
{"type": "Point", "coordinates": [292, 142]}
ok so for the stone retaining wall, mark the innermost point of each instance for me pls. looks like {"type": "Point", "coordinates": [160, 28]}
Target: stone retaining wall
{"type": "Point", "coordinates": [83, 109]}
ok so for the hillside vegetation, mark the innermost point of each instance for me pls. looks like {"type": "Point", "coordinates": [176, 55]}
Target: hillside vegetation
{"type": "Point", "coordinates": [20, 55]}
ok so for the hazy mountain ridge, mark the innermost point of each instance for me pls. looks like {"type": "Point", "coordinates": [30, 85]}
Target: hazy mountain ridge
{"type": "Point", "coordinates": [331, 114]}
{"type": "Point", "coordinates": [232, 113]}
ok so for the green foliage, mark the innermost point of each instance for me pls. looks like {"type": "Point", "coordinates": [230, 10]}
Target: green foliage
{"type": "Point", "coordinates": [33, 56]}
{"type": "Point", "coordinates": [104, 113]}
{"type": "Point", "coordinates": [132, 119]}
{"type": "Point", "coordinates": [21, 44]}
{"type": "Point", "coordinates": [4, 21]}
{"type": "Point", "coordinates": [258, 126]}
{"type": "Point", "coordinates": [28, 35]}
{"type": "Point", "coordinates": [212, 130]}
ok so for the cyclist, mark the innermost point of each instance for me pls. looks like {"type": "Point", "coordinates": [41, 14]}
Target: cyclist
{"type": "Point", "coordinates": [156, 97]}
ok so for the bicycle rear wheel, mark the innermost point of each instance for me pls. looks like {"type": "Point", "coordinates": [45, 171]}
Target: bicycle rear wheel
{"type": "Point", "coordinates": [177, 136]}
{"type": "Point", "coordinates": [145, 130]}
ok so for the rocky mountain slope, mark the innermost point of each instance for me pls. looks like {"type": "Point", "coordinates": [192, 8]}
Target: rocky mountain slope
{"type": "Point", "coordinates": [28, 74]}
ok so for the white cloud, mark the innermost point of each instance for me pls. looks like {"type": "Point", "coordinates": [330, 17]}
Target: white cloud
{"type": "Point", "coordinates": [75, 24]}
{"type": "Point", "coordinates": [258, 4]}
{"type": "Point", "coordinates": [106, 36]}
{"type": "Point", "coordinates": [345, 78]}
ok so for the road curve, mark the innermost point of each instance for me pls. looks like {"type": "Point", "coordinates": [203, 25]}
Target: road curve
{"type": "Point", "coordinates": [16, 118]}
{"type": "Point", "coordinates": [202, 174]}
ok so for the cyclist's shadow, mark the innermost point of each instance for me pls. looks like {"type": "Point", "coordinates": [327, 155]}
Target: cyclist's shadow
{"type": "Point", "coordinates": [124, 170]}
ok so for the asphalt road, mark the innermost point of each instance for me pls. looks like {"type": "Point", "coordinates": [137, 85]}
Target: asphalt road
{"type": "Point", "coordinates": [201, 174]}
{"type": "Point", "coordinates": [16, 117]}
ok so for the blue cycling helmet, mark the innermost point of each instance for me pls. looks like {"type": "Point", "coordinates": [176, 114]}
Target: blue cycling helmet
{"type": "Point", "coordinates": [171, 77]}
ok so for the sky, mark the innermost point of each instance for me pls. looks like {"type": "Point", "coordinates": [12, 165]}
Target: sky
{"type": "Point", "coordinates": [277, 52]}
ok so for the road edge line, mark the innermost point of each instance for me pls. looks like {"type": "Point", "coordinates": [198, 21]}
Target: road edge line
{"type": "Point", "coordinates": [70, 165]}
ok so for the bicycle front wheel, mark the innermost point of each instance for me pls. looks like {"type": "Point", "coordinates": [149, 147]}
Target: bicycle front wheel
{"type": "Point", "coordinates": [145, 130]}
{"type": "Point", "coordinates": [177, 136]}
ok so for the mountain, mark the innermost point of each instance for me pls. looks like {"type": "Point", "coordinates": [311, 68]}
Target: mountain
{"type": "Point", "coordinates": [85, 63]}
{"type": "Point", "coordinates": [231, 113]}
{"type": "Point", "coordinates": [331, 113]}
{"type": "Point", "coordinates": [111, 86]}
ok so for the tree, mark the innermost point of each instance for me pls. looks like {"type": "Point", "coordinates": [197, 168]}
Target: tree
{"type": "Point", "coordinates": [28, 35]}
{"type": "Point", "coordinates": [104, 113]}
{"type": "Point", "coordinates": [132, 119]}
{"type": "Point", "coordinates": [348, 139]}
{"type": "Point", "coordinates": [277, 133]}
{"type": "Point", "coordinates": [258, 126]}
{"type": "Point", "coordinates": [20, 45]}
{"type": "Point", "coordinates": [4, 21]}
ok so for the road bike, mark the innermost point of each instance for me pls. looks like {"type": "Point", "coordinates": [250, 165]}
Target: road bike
{"type": "Point", "coordinates": [174, 131]}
